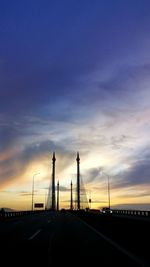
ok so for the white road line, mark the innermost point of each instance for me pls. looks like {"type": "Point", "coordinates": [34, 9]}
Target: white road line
{"type": "Point", "coordinates": [117, 246]}
{"type": "Point", "coordinates": [35, 234]}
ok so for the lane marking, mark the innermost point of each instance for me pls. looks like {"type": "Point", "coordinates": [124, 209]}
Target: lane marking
{"type": "Point", "coordinates": [35, 234]}
{"type": "Point", "coordinates": [117, 246]}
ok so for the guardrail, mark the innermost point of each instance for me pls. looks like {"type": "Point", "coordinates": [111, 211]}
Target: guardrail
{"type": "Point", "coordinates": [10, 214]}
{"type": "Point", "coordinates": [143, 213]}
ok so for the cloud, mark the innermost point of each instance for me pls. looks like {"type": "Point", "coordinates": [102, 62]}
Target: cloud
{"type": "Point", "coordinates": [92, 174]}
{"type": "Point", "coordinates": [64, 189]}
{"type": "Point", "coordinates": [25, 194]}
{"type": "Point", "coordinates": [138, 173]}
{"type": "Point", "coordinates": [9, 134]}
{"type": "Point", "coordinates": [132, 206]}
{"type": "Point", "coordinates": [127, 87]}
{"type": "Point", "coordinates": [16, 163]}
{"type": "Point", "coordinates": [135, 194]}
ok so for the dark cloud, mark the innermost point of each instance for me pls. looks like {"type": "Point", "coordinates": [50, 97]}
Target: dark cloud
{"type": "Point", "coordinates": [138, 173]}
{"type": "Point", "coordinates": [98, 201]}
{"type": "Point", "coordinates": [92, 174]}
{"type": "Point", "coordinates": [136, 195]}
{"type": "Point", "coordinates": [118, 142]}
{"type": "Point", "coordinates": [16, 164]}
{"type": "Point", "coordinates": [127, 78]}
{"type": "Point", "coordinates": [25, 194]}
{"type": "Point", "coordinates": [64, 189]}
{"type": "Point", "coordinates": [34, 90]}
{"type": "Point", "coordinates": [40, 66]}
{"type": "Point", "coordinates": [8, 136]}
{"type": "Point", "coordinates": [134, 206]}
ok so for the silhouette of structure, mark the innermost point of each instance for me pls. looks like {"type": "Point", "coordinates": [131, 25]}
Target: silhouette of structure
{"type": "Point", "coordinates": [80, 201]}
{"type": "Point", "coordinates": [84, 202]}
{"type": "Point", "coordinates": [53, 182]}
{"type": "Point", "coordinates": [71, 198]}
{"type": "Point", "coordinates": [58, 195]}
{"type": "Point", "coordinates": [78, 181]}
{"type": "Point", "coordinates": [81, 197]}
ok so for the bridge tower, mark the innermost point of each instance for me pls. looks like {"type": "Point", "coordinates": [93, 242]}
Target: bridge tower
{"type": "Point", "coordinates": [58, 195]}
{"type": "Point", "coordinates": [78, 181]}
{"type": "Point", "coordinates": [53, 182]}
{"type": "Point", "coordinates": [71, 198]}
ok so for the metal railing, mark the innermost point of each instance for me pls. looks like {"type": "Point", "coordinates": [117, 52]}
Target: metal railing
{"type": "Point", "coordinates": [143, 213]}
{"type": "Point", "coordinates": [10, 214]}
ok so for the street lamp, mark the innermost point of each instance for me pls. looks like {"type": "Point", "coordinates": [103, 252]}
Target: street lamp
{"type": "Point", "coordinates": [108, 192]}
{"type": "Point", "coordinates": [108, 187]}
{"type": "Point", "coordinates": [33, 188]}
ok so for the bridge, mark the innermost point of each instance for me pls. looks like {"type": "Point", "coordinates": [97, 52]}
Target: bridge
{"type": "Point", "coordinates": [69, 237]}
{"type": "Point", "coordinates": [80, 199]}
{"type": "Point", "coordinates": [75, 236]}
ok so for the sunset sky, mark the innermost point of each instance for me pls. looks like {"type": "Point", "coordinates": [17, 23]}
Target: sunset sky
{"type": "Point", "coordinates": [75, 76]}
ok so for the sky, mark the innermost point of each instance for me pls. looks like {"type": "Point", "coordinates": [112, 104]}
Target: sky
{"type": "Point", "coordinates": [75, 76]}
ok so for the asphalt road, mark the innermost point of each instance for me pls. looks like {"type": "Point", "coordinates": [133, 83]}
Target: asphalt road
{"type": "Point", "coordinates": [61, 239]}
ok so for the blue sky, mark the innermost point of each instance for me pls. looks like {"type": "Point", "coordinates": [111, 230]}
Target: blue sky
{"type": "Point", "coordinates": [74, 76]}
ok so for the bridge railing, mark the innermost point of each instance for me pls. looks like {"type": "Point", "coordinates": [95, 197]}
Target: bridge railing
{"type": "Point", "coordinates": [10, 214]}
{"type": "Point", "coordinates": [143, 213]}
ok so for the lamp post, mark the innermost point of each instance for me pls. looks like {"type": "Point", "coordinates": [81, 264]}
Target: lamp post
{"type": "Point", "coordinates": [108, 187]}
{"type": "Point", "coordinates": [33, 188]}
{"type": "Point", "coordinates": [108, 192]}
{"type": "Point", "coordinates": [90, 201]}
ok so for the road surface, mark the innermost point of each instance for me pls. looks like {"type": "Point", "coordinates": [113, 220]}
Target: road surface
{"type": "Point", "coordinates": [61, 239]}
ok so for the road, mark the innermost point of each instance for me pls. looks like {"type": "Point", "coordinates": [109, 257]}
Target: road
{"type": "Point", "coordinates": [54, 238]}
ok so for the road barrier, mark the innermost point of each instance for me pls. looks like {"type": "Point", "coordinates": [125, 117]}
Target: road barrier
{"type": "Point", "coordinates": [5, 214]}
{"type": "Point", "coordinates": [143, 213]}
{"type": "Point", "coordinates": [10, 214]}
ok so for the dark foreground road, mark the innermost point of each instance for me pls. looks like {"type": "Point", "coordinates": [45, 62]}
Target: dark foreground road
{"type": "Point", "coordinates": [62, 239]}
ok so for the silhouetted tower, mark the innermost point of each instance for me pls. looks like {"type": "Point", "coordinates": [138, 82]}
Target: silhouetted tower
{"type": "Point", "coordinates": [78, 181]}
{"type": "Point", "coordinates": [58, 195]}
{"type": "Point", "coordinates": [53, 182]}
{"type": "Point", "coordinates": [71, 198]}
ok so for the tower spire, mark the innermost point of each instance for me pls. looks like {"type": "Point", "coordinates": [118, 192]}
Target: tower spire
{"type": "Point", "coordinates": [78, 180]}
{"type": "Point", "coordinates": [71, 198]}
{"type": "Point", "coordinates": [57, 195]}
{"type": "Point", "coordinates": [53, 182]}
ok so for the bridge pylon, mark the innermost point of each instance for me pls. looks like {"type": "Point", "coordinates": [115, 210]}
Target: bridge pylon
{"type": "Point", "coordinates": [53, 183]}
{"type": "Point", "coordinates": [78, 181]}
